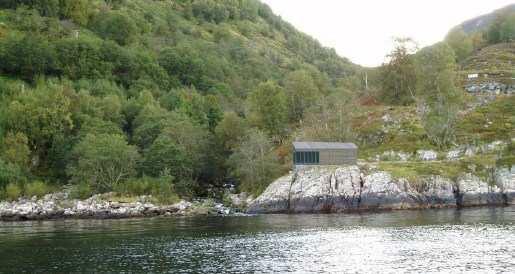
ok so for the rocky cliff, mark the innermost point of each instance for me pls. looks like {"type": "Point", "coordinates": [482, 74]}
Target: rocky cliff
{"type": "Point", "coordinates": [350, 188]}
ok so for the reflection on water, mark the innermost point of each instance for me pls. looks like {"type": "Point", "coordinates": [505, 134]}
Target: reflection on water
{"type": "Point", "coordinates": [471, 240]}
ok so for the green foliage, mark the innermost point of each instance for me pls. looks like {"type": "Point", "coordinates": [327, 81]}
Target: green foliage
{"type": "Point", "coordinates": [116, 26]}
{"type": "Point", "coordinates": [82, 58]}
{"type": "Point", "coordinates": [254, 163]}
{"type": "Point", "coordinates": [81, 191]}
{"type": "Point", "coordinates": [166, 153]}
{"type": "Point", "coordinates": [27, 56]}
{"type": "Point", "coordinates": [460, 42]}
{"type": "Point", "coordinates": [329, 120]}
{"type": "Point", "coordinates": [37, 188]}
{"type": "Point", "coordinates": [489, 123]}
{"type": "Point", "coordinates": [507, 157]}
{"type": "Point", "coordinates": [436, 87]}
{"type": "Point", "coordinates": [13, 191]}
{"type": "Point", "coordinates": [42, 115]}
{"type": "Point", "coordinates": [88, 85]}
{"type": "Point", "coordinates": [103, 161]}
{"type": "Point", "coordinates": [268, 108]}
{"type": "Point", "coordinates": [301, 92]}
{"type": "Point", "coordinates": [15, 149]}
{"type": "Point", "coordinates": [503, 28]}
{"type": "Point", "coordinates": [10, 173]}
{"type": "Point", "coordinates": [162, 188]}
{"type": "Point", "coordinates": [398, 76]}
{"type": "Point", "coordinates": [231, 131]}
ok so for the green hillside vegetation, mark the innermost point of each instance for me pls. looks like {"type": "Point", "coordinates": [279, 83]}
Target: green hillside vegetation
{"type": "Point", "coordinates": [177, 98]}
{"type": "Point", "coordinates": [497, 61]}
{"type": "Point", "coordinates": [488, 49]}
{"type": "Point", "coordinates": [101, 94]}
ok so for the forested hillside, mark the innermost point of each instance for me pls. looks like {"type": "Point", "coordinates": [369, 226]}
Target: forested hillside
{"type": "Point", "coordinates": [153, 96]}
{"type": "Point", "coordinates": [178, 98]}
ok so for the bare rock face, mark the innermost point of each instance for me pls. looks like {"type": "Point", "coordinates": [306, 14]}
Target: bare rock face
{"type": "Point", "coordinates": [275, 199]}
{"type": "Point", "coordinates": [505, 181]}
{"type": "Point", "coordinates": [380, 191]}
{"type": "Point", "coordinates": [473, 191]}
{"type": "Point", "coordinates": [337, 189]}
{"type": "Point", "coordinates": [325, 189]}
{"type": "Point", "coordinates": [437, 191]}
{"type": "Point", "coordinates": [345, 188]}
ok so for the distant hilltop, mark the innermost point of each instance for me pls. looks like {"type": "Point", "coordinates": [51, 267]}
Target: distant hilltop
{"type": "Point", "coordinates": [482, 22]}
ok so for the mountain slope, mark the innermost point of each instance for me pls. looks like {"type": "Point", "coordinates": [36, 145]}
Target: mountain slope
{"type": "Point", "coordinates": [481, 23]}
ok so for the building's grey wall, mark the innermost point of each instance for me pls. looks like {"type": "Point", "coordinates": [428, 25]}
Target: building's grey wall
{"type": "Point", "coordinates": [338, 156]}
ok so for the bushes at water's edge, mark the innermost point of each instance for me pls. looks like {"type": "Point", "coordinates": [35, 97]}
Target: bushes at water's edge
{"type": "Point", "coordinates": [13, 191]}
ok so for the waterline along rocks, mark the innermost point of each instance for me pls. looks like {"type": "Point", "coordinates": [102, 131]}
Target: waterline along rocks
{"type": "Point", "coordinates": [101, 206]}
{"type": "Point", "coordinates": [351, 188]}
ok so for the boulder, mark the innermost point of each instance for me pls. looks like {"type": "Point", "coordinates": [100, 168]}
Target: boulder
{"type": "Point", "coordinates": [454, 154]}
{"type": "Point", "coordinates": [240, 200]}
{"type": "Point", "coordinates": [427, 155]}
{"type": "Point", "coordinates": [394, 156]}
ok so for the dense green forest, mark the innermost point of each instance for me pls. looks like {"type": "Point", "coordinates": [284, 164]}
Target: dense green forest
{"type": "Point", "coordinates": [180, 94]}
{"type": "Point", "coordinates": [178, 98]}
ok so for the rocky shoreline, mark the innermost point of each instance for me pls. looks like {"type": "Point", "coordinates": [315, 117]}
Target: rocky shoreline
{"type": "Point", "coordinates": [59, 206]}
{"type": "Point", "coordinates": [349, 189]}
{"type": "Point", "coordinates": [309, 190]}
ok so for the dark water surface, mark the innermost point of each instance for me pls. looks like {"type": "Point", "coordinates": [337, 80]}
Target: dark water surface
{"type": "Point", "coordinates": [471, 240]}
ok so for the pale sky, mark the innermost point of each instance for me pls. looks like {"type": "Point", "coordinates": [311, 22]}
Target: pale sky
{"type": "Point", "coordinates": [362, 30]}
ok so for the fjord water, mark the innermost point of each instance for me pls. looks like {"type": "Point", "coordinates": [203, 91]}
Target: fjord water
{"type": "Point", "coordinates": [469, 240]}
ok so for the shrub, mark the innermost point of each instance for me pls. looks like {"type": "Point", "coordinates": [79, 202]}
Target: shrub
{"type": "Point", "coordinates": [140, 186]}
{"type": "Point", "coordinates": [37, 188]}
{"type": "Point", "coordinates": [13, 191]}
{"type": "Point", "coordinates": [103, 160]}
{"type": "Point", "coordinates": [81, 191]}
{"type": "Point", "coordinates": [10, 173]}
{"type": "Point", "coordinates": [162, 189]}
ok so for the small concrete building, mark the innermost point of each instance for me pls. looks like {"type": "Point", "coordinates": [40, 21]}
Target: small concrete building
{"type": "Point", "coordinates": [324, 153]}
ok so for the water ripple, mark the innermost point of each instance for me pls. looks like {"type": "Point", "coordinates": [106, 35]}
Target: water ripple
{"type": "Point", "coordinates": [432, 241]}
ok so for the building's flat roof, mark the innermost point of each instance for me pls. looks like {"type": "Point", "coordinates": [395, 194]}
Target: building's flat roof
{"type": "Point", "coordinates": [323, 145]}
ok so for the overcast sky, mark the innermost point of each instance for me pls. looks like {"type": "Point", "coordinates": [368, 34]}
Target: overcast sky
{"type": "Point", "coordinates": [362, 30]}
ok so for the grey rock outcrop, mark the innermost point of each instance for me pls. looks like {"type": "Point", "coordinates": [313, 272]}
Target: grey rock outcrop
{"type": "Point", "coordinates": [490, 87]}
{"type": "Point", "coordinates": [57, 205]}
{"type": "Point", "coordinates": [473, 191]}
{"type": "Point", "coordinates": [427, 155]}
{"type": "Point", "coordinates": [505, 180]}
{"type": "Point", "coordinates": [341, 189]}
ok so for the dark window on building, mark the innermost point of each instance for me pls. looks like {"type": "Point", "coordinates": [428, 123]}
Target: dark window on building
{"type": "Point", "coordinates": [306, 157]}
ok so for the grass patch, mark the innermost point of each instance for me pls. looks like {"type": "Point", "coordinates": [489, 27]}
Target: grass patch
{"type": "Point", "coordinates": [81, 191]}
{"type": "Point", "coordinates": [414, 171]}
{"type": "Point", "coordinates": [161, 189]}
{"type": "Point", "coordinates": [507, 157]}
{"type": "Point", "coordinates": [481, 166]}
{"type": "Point", "coordinates": [494, 121]}
{"type": "Point", "coordinates": [37, 188]}
{"type": "Point", "coordinates": [13, 191]}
